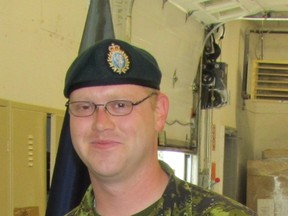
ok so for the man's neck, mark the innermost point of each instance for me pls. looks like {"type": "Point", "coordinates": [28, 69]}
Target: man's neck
{"type": "Point", "coordinates": [131, 196]}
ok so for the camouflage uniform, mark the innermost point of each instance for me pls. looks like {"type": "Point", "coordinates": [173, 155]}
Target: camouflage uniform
{"type": "Point", "coordinates": [179, 199]}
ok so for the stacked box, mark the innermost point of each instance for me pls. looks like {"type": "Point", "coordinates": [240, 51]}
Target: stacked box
{"type": "Point", "coordinates": [275, 153]}
{"type": "Point", "coordinates": [267, 184]}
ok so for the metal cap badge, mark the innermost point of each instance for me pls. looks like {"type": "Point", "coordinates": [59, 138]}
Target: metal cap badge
{"type": "Point", "coordinates": [117, 59]}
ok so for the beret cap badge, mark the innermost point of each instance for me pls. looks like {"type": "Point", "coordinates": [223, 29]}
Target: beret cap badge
{"type": "Point", "coordinates": [117, 59]}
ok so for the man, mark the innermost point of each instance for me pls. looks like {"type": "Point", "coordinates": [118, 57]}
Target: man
{"type": "Point", "coordinates": [116, 112]}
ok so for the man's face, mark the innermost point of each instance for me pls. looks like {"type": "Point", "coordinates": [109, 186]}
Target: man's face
{"type": "Point", "coordinates": [117, 146]}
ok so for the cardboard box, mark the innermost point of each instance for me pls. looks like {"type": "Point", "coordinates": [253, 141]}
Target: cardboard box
{"type": "Point", "coordinates": [265, 207]}
{"type": "Point", "coordinates": [268, 179]}
{"type": "Point", "coordinates": [27, 211]}
{"type": "Point", "coordinates": [274, 153]}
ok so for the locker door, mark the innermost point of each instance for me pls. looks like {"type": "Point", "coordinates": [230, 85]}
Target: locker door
{"type": "Point", "coordinates": [4, 161]}
{"type": "Point", "coordinates": [56, 127]}
{"type": "Point", "coordinates": [29, 159]}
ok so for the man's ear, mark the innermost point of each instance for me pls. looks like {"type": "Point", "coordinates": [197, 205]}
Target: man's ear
{"type": "Point", "coordinates": [161, 111]}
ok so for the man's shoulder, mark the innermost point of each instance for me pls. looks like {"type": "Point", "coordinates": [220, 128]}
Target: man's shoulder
{"type": "Point", "coordinates": [184, 198]}
{"type": "Point", "coordinates": [207, 202]}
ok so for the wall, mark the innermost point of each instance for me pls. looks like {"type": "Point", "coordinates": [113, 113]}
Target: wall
{"type": "Point", "coordinates": [176, 44]}
{"type": "Point", "coordinates": [268, 125]}
{"type": "Point", "coordinates": [264, 123]}
{"type": "Point", "coordinates": [274, 44]}
{"type": "Point", "coordinates": [230, 54]}
{"type": "Point", "coordinates": [233, 54]}
{"type": "Point", "coordinates": [39, 39]}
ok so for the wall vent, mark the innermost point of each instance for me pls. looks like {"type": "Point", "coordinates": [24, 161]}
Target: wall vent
{"type": "Point", "coordinates": [270, 81]}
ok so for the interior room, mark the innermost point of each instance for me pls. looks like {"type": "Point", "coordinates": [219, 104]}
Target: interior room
{"type": "Point", "coordinates": [224, 68]}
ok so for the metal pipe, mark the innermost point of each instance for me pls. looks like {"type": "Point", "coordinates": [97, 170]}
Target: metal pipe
{"type": "Point", "coordinates": [245, 96]}
{"type": "Point", "coordinates": [268, 31]}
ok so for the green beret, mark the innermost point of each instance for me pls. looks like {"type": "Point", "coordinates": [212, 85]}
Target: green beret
{"type": "Point", "coordinates": [112, 62]}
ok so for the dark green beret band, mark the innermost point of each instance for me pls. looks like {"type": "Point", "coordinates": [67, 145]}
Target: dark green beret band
{"type": "Point", "coordinates": [112, 62]}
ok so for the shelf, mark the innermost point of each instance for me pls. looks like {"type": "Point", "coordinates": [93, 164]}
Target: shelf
{"type": "Point", "coordinates": [272, 89]}
{"type": "Point", "coordinates": [269, 95]}
{"type": "Point", "coordinates": [273, 68]}
{"type": "Point", "coordinates": [178, 149]}
{"type": "Point", "coordinates": [177, 145]}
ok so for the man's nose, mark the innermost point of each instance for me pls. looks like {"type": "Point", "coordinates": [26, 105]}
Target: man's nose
{"type": "Point", "coordinates": [102, 120]}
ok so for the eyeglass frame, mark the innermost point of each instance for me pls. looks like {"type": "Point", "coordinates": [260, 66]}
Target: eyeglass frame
{"type": "Point", "coordinates": [96, 106]}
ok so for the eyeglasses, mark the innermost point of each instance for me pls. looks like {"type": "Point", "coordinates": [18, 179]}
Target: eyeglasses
{"type": "Point", "coordinates": [114, 108]}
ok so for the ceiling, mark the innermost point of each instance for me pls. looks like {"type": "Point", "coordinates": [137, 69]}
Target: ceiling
{"type": "Point", "coordinates": [215, 11]}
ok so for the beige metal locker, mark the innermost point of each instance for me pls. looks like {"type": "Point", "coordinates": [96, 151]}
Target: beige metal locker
{"type": "Point", "coordinates": [24, 130]}
{"type": "Point", "coordinates": [29, 158]}
{"type": "Point", "coordinates": [4, 159]}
